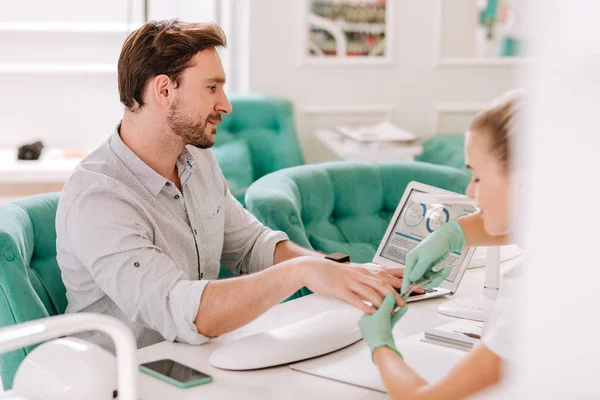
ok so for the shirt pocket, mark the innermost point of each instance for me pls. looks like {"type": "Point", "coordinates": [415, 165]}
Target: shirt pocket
{"type": "Point", "coordinates": [214, 223]}
{"type": "Point", "coordinates": [214, 220]}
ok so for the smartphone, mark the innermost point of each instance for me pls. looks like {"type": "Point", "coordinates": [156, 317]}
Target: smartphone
{"type": "Point", "coordinates": [175, 373]}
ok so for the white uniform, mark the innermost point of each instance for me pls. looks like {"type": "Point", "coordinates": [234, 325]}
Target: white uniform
{"type": "Point", "coordinates": [501, 331]}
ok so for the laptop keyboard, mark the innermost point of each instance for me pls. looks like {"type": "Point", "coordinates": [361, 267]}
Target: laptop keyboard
{"type": "Point", "coordinates": [418, 294]}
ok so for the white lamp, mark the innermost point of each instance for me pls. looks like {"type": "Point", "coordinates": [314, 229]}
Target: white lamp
{"type": "Point", "coordinates": [71, 368]}
{"type": "Point", "coordinates": [478, 308]}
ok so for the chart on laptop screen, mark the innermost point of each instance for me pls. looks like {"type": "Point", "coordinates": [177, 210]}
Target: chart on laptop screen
{"type": "Point", "coordinates": [415, 222]}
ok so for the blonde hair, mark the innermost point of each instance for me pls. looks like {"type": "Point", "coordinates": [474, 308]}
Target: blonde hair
{"type": "Point", "coordinates": [499, 122]}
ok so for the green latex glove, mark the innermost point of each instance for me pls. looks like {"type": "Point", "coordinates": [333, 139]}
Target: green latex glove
{"type": "Point", "coordinates": [376, 328]}
{"type": "Point", "coordinates": [421, 260]}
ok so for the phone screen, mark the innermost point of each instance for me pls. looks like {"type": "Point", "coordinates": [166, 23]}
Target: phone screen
{"type": "Point", "coordinates": [176, 371]}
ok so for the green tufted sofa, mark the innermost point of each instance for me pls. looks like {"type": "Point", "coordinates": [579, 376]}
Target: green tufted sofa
{"type": "Point", "coordinates": [257, 138]}
{"type": "Point", "coordinates": [446, 150]}
{"type": "Point", "coordinates": [30, 282]}
{"type": "Point", "coordinates": [340, 206]}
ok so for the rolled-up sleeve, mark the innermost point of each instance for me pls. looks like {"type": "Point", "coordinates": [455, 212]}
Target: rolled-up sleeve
{"type": "Point", "coordinates": [110, 237]}
{"type": "Point", "coordinates": [184, 311]}
{"type": "Point", "coordinates": [248, 245]}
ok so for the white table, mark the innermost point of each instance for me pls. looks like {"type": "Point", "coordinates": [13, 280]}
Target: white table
{"type": "Point", "coordinates": [350, 150]}
{"type": "Point", "coordinates": [282, 382]}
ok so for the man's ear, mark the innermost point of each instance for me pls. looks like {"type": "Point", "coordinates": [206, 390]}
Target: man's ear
{"type": "Point", "coordinates": [161, 89]}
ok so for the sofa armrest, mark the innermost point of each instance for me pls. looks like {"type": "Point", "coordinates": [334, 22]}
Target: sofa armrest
{"type": "Point", "coordinates": [278, 209]}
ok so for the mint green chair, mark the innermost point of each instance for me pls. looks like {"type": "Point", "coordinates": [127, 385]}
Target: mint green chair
{"type": "Point", "coordinates": [340, 206]}
{"type": "Point", "coordinates": [257, 138]}
{"type": "Point", "coordinates": [30, 281]}
{"type": "Point", "coordinates": [446, 150]}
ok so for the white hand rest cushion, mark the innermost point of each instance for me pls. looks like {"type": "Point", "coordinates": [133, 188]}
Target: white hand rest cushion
{"type": "Point", "coordinates": [325, 332]}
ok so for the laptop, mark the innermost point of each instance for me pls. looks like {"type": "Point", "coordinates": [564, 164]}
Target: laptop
{"type": "Point", "coordinates": [412, 222]}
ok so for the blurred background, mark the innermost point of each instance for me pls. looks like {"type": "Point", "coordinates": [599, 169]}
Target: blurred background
{"type": "Point", "coordinates": [424, 66]}
{"type": "Point", "coordinates": [353, 80]}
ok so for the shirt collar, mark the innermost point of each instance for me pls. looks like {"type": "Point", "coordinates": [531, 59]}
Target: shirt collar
{"type": "Point", "coordinates": [151, 179]}
{"type": "Point", "coordinates": [186, 160]}
{"type": "Point", "coordinates": [185, 166]}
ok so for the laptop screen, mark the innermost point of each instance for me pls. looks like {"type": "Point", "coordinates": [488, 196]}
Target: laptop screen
{"type": "Point", "coordinates": [417, 220]}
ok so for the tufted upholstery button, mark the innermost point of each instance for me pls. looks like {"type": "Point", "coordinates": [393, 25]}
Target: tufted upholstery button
{"type": "Point", "coordinates": [331, 219]}
{"type": "Point", "coordinates": [9, 255]}
{"type": "Point", "coordinates": [383, 214]}
{"type": "Point", "coordinates": [293, 219]}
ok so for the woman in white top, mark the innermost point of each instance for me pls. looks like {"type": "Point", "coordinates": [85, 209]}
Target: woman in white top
{"type": "Point", "coordinates": [488, 157]}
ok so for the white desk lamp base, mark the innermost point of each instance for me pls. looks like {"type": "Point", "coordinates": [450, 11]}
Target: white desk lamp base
{"type": "Point", "coordinates": [49, 366]}
{"type": "Point", "coordinates": [478, 308]}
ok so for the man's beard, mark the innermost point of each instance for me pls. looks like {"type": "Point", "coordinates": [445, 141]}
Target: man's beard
{"type": "Point", "coordinates": [192, 132]}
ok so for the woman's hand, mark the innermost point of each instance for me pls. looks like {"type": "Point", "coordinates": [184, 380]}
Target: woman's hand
{"type": "Point", "coordinates": [421, 260]}
{"type": "Point", "coordinates": [377, 328]}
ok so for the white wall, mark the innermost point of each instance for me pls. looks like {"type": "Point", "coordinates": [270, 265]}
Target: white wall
{"type": "Point", "coordinates": [58, 66]}
{"type": "Point", "coordinates": [58, 69]}
{"type": "Point", "coordinates": [81, 108]}
{"type": "Point", "coordinates": [459, 21]}
{"type": "Point", "coordinates": [415, 89]}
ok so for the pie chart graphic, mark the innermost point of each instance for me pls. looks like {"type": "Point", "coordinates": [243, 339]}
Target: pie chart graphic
{"type": "Point", "coordinates": [415, 214]}
{"type": "Point", "coordinates": [437, 218]}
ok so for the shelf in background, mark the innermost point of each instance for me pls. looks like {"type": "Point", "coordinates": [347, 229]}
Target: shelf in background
{"type": "Point", "coordinates": [40, 68]}
{"type": "Point", "coordinates": [482, 61]}
{"type": "Point", "coordinates": [52, 167]}
{"type": "Point", "coordinates": [67, 27]}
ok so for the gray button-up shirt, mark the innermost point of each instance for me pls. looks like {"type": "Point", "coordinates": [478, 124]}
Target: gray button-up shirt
{"type": "Point", "coordinates": [132, 246]}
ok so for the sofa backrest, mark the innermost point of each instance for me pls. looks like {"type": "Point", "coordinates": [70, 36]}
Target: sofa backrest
{"type": "Point", "coordinates": [267, 124]}
{"type": "Point", "coordinates": [340, 206]}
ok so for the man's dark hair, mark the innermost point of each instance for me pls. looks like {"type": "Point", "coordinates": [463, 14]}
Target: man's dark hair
{"type": "Point", "coordinates": [161, 47]}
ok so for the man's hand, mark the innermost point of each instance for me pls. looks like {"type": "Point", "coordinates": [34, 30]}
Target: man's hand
{"type": "Point", "coordinates": [391, 275]}
{"type": "Point", "coordinates": [352, 283]}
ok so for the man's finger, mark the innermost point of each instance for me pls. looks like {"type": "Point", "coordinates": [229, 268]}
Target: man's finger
{"type": "Point", "coordinates": [368, 294]}
{"type": "Point", "coordinates": [391, 279]}
{"type": "Point", "coordinates": [397, 272]}
{"type": "Point", "coordinates": [355, 301]}
{"type": "Point", "coordinates": [383, 287]}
